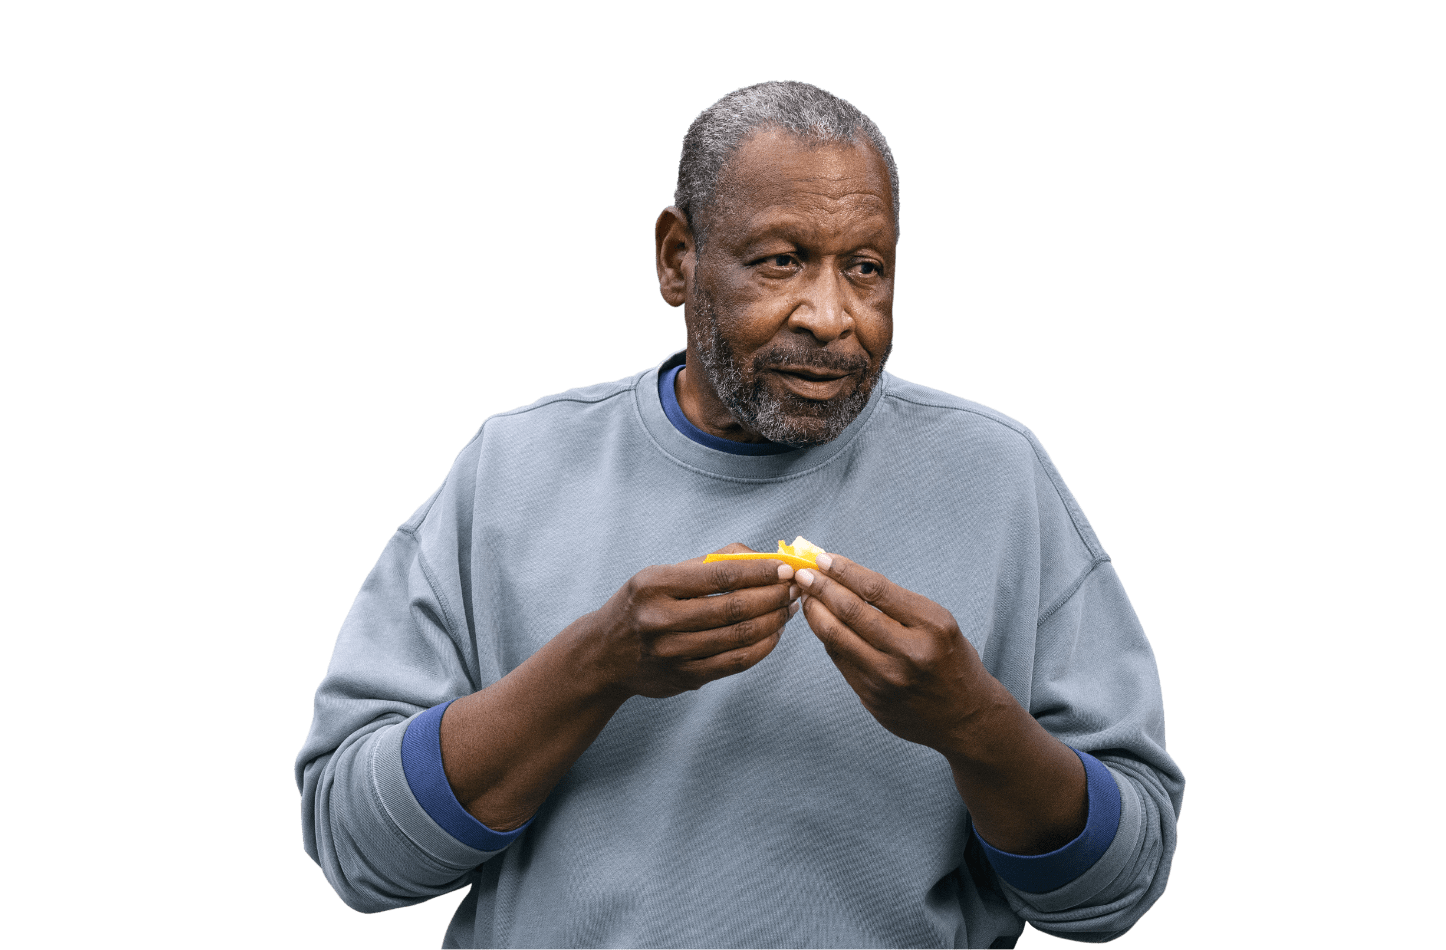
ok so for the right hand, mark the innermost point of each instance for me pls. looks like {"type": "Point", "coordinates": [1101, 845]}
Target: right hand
{"type": "Point", "coordinates": [672, 628]}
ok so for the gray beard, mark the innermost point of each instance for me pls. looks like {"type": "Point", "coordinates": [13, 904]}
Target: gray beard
{"type": "Point", "coordinates": [786, 419]}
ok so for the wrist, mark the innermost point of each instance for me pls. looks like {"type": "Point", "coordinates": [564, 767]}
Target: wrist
{"type": "Point", "coordinates": [586, 655]}
{"type": "Point", "coordinates": [984, 727]}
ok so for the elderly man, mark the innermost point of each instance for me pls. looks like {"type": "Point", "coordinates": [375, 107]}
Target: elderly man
{"type": "Point", "coordinates": [961, 732]}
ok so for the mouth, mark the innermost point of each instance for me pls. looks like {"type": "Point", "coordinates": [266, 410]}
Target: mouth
{"type": "Point", "coordinates": [812, 383]}
{"type": "Point", "coordinates": [811, 373]}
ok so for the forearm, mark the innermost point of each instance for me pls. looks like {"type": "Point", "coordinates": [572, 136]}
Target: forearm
{"type": "Point", "coordinates": [506, 746]}
{"type": "Point", "coordinates": [1025, 790]}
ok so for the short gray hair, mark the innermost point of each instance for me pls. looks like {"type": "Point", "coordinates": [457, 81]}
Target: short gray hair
{"type": "Point", "coordinates": [807, 111]}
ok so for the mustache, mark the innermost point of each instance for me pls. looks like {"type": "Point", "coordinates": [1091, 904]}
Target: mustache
{"type": "Point", "coordinates": [810, 358]}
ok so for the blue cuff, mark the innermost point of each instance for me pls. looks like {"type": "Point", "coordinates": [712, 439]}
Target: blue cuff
{"type": "Point", "coordinates": [1040, 873]}
{"type": "Point", "coordinates": [422, 765]}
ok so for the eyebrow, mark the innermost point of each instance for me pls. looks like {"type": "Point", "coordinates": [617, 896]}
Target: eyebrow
{"type": "Point", "coordinates": [798, 231]}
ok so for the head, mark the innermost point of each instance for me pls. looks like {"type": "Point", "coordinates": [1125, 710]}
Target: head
{"type": "Point", "coordinates": [781, 250]}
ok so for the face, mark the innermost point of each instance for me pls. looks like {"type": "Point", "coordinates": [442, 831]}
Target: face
{"type": "Point", "coordinates": [789, 305]}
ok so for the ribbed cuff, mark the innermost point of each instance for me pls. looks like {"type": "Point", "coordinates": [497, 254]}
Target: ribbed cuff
{"type": "Point", "coordinates": [1039, 873]}
{"type": "Point", "coordinates": [422, 765]}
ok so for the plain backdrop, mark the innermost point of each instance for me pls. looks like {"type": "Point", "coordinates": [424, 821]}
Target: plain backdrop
{"type": "Point", "coordinates": [266, 267]}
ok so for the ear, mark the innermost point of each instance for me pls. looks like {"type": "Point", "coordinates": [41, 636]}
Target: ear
{"type": "Point", "coordinates": [675, 255]}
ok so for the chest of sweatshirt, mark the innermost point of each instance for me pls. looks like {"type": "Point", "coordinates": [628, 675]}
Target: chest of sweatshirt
{"type": "Point", "coordinates": [551, 508]}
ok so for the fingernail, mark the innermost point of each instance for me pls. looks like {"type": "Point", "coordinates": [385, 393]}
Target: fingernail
{"type": "Point", "coordinates": [824, 562]}
{"type": "Point", "coordinates": [804, 577]}
{"type": "Point", "coordinates": [793, 592]}
{"type": "Point", "coordinates": [793, 608]}
{"type": "Point", "coordinates": [785, 571]}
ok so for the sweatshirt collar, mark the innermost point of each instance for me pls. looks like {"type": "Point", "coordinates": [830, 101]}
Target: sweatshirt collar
{"type": "Point", "coordinates": [726, 462]}
{"type": "Point", "coordinates": [668, 393]}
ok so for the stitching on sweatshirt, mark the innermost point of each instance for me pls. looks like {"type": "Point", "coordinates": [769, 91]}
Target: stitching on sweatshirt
{"type": "Point", "coordinates": [1071, 508]}
{"type": "Point", "coordinates": [737, 479]}
{"type": "Point", "coordinates": [392, 824]}
{"type": "Point", "coordinates": [1071, 590]}
{"type": "Point", "coordinates": [411, 525]}
{"type": "Point", "coordinates": [447, 618]}
{"type": "Point", "coordinates": [553, 400]}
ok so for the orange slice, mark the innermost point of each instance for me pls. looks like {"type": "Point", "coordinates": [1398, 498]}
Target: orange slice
{"type": "Point", "coordinates": [800, 554]}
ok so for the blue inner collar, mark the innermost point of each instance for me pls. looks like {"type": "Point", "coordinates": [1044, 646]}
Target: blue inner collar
{"type": "Point", "coordinates": [667, 392]}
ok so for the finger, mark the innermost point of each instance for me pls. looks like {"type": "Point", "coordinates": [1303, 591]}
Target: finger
{"type": "Point", "coordinates": [878, 629]}
{"type": "Point", "coordinates": [696, 579]}
{"type": "Point", "coordinates": [700, 644]}
{"type": "Point", "coordinates": [730, 662]}
{"type": "Point", "coordinates": [900, 603]}
{"type": "Point", "coordinates": [712, 613]}
{"type": "Point", "coordinates": [845, 647]}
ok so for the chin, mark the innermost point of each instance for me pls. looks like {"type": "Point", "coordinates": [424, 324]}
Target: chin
{"type": "Point", "coordinates": [792, 420]}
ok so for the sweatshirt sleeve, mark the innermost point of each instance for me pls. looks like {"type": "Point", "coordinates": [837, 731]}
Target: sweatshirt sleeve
{"type": "Point", "coordinates": [1045, 872]}
{"type": "Point", "coordinates": [1096, 689]}
{"type": "Point", "coordinates": [399, 655]}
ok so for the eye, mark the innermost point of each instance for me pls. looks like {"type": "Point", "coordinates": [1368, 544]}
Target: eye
{"type": "Point", "coordinates": [777, 265]}
{"type": "Point", "coordinates": [868, 269]}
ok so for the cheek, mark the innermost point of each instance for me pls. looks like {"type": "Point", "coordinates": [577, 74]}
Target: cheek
{"type": "Point", "coordinates": [752, 321]}
{"type": "Point", "coordinates": [875, 327]}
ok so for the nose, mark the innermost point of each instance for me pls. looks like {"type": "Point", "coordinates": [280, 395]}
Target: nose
{"type": "Point", "coordinates": [823, 309]}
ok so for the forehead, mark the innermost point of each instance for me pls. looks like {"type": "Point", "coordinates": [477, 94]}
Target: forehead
{"type": "Point", "coordinates": [776, 176]}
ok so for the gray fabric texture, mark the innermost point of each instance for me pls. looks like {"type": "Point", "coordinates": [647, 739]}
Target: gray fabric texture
{"type": "Point", "coordinates": [768, 808]}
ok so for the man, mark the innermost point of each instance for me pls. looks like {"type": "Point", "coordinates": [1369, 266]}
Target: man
{"type": "Point", "coordinates": [961, 732]}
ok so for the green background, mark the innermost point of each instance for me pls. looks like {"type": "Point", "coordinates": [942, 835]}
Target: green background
{"type": "Point", "coordinates": [268, 266]}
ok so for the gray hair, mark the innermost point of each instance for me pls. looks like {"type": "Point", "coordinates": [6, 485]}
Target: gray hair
{"type": "Point", "coordinates": [807, 111]}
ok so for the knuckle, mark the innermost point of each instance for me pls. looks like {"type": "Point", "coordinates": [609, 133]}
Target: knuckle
{"type": "Point", "coordinates": [916, 657]}
{"type": "Point", "coordinates": [894, 678]}
{"type": "Point", "coordinates": [734, 610]}
{"type": "Point", "coordinates": [664, 648]}
{"type": "Point", "coordinates": [643, 580]}
{"type": "Point", "coordinates": [725, 576]}
{"type": "Point", "coordinates": [744, 633]}
{"type": "Point", "coordinates": [850, 611]}
{"type": "Point", "coordinates": [872, 589]}
{"type": "Point", "coordinates": [647, 618]}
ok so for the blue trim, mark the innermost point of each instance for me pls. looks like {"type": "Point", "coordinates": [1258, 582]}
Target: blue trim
{"type": "Point", "coordinates": [667, 382]}
{"type": "Point", "coordinates": [422, 765]}
{"type": "Point", "coordinates": [1040, 873]}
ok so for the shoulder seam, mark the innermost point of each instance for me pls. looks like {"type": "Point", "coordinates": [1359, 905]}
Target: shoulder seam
{"type": "Point", "coordinates": [410, 526]}
{"type": "Point", "coordinates": [551, 400]}
{"type": "Point", "coordinates": [1071, 590]}
{"type": "Point", "coordinates": [983, 415]}
{"type": "Point", "coordinates": [447, 616]}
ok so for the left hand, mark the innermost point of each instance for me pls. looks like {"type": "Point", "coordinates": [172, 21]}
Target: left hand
{"type": "Point", "coordinates": [902, 653]}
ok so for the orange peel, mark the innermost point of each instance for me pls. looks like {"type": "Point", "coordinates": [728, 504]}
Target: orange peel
{"type": "Point", "coordinates": [800, 554]}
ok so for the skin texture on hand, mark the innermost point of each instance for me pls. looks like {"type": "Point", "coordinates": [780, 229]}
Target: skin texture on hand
{"type": "Point", "coordinates": [666, 632]}
{"type": "Point", "coordinates": [669, 629]}
{"type": "Point", "coordinates": [915, 672]}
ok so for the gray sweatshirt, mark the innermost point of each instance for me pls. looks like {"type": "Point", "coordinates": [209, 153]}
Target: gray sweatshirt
{"type": "Point", "coordinates": [767, 808]}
